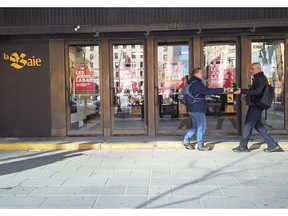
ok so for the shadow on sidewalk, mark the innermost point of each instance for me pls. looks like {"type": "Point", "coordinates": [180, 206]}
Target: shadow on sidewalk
{"type": "Point", "coordinates": [256, 145]}
{"type": "Point", "coordinates": [201, 179]}
{"type": "Point", "coordinates": [25, 155]}
{"type": "Point", "coordinates": [31, 163]}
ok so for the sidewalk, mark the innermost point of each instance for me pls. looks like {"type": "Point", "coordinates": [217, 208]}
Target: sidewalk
{"type": "Point", "coordinates": [128, 142]}
{"type": "Point", "coordinates": [143, 179]}
{"type": "Point", "coordinates": [141, 173]}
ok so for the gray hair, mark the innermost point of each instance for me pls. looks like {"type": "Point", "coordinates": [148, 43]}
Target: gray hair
{"type": "Point", "coordinates": [258, 65]}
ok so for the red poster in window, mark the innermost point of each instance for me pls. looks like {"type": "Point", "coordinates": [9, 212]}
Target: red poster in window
{"type": "Point", "coordinates": [84, 78]}
{"type": "Point", "coordinates": [129, 79]}
{"type": "Point", "coordinates": [229, 77]}
{"type": "Point", "coordinates": [171, 76]}
{"type": "Point", "coordinates": [214, 81]}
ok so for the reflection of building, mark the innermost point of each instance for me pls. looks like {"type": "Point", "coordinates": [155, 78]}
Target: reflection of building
{"type": "Point", "coordinates": [92, 54]}
{"type": "Point", "coordinates": [128, 62]}
{"type": "Point", "coordinates": [171, 67]}
{"type": "Point", "coordinates": [225, 54]}
{"type": "Point", "coordinates": [271, 56]}
{"type": "Point", "coordinates": [220, 62]}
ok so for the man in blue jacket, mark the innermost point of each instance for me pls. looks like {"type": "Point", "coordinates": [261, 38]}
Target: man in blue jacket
{"type": "Point", "coordinates": [198, 109]}
{"type": "Point", "coordinates": [254, 113]}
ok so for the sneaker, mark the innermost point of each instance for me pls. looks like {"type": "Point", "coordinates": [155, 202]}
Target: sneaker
{"type": "Point", "coordinates": [241, 149]}
{"type": "Point", "coordinates": [203, 148]}
{"type": "Point", "coordinates": [272, 148]}
{"type": "Point", "coordinates": [187, 145]}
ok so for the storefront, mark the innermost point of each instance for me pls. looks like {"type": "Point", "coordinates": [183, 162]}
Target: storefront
{"type": "Point", "coordinates": [127, 83]}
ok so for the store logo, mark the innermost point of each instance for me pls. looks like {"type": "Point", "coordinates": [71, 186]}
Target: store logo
{"type": "Point", "coordinates": [20, 61]}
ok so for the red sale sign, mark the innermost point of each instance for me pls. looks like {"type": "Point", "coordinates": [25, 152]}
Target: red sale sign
{"type": "Point", "coordinates": [84, 78]}
{"type": "Point", "coordinates": [129, 79]}
{"type": "Point", "coordinates": [221, 78]}
{"type": "Point", "coordinates": [171, 76]}
{"type": "Point", "coordinates": [229, 77]}
{"type": "Point", "coordinates": [214, 73]}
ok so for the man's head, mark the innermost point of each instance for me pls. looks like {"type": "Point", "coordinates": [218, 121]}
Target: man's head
{"type": "Point", "coordinates": [255, 68]}
{"type": "Point", "coordinates": [197, 72]}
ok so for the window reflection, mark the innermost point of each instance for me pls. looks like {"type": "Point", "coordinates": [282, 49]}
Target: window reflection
{"type": "Point", "coordinates": [129, 87]}
{"type": "Point", "coordinates": [220, 67]}
{"type": "Point", "coordinates": [173, 69]}
{"type": "Point", "coordinates": [84, 88]}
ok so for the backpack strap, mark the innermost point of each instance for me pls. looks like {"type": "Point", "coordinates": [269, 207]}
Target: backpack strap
{"type": "Point", "coordinates": [190, 87]}
{"type": "Point", "coordinates": [194, 97]}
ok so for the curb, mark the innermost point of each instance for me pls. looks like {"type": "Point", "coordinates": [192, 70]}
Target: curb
{"type": "Point", "coordinates": [98, 146]}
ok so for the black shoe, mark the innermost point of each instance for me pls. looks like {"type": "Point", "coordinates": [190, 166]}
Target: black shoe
{"type": "Point", "coordinates": [241, 149]}
{"type": "Point", "coordinates": [273, 148]}
{"type": "Point", "coordinates": [203, 148]}
{"type": "Point", "coordinates": [187, 145]}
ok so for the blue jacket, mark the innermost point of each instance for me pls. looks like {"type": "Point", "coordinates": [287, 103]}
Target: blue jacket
{"type": "Point", "coordinates": [199, 88]}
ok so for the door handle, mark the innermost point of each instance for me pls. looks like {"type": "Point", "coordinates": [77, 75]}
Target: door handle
{"type": "Point", "coordinates": [113, 96]}
{"type": "Point", "coordinates": [156, 97]}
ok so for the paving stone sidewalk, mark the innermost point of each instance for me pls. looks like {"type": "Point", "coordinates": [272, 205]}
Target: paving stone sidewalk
{"type": "Point", "coordinates": [143, 179]}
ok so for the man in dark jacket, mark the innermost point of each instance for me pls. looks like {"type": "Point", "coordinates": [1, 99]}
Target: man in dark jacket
{"type": "Point", "coordinates": [253, 117]}
{"type": "Point", "coordinates": [198, 109]}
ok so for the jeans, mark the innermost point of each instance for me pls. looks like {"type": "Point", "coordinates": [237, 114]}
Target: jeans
{"type": "Point", "coordinates": [199, 126]}
{"type": "Point", "coordinates": [253, 120]}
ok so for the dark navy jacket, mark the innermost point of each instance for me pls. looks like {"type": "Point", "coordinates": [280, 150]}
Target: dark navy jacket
{"type": "Point", "coordinates": [254, 93]}
{"type": "Point", "coordinates": [199, 88]}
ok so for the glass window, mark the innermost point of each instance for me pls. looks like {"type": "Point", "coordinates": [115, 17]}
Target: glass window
{"type": "Point", "coordinates": [173, 66]}
{"type": "Point", "coordinates": [220, 71]}
{"type": "Point", "coordinates": [84, 88]}
{"type": "Point", "coordinates": [165, 57]}
{"type": "Point", "coordinates": [270, 54]}
{"type": "Point", "coordinates": [129, 89]}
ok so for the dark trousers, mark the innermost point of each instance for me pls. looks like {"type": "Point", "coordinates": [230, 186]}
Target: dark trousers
{"type": "Point", "coordinates": [253, 120]}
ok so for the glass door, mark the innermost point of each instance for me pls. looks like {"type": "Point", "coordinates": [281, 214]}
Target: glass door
{"type": "Point", "coordinates": [172, 74]}
{"type": "Point", "coordinates": [270, 54]}
{"type": "Point", "coordinates": [84, 91]}
{"type": "Point", "coordinates": [220, 67]}
{"type": "Point", "coordinates": [128, 104]}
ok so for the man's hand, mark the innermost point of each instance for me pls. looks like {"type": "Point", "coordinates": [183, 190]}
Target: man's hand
{"type": "Point", "coordinates": [238, 91]}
